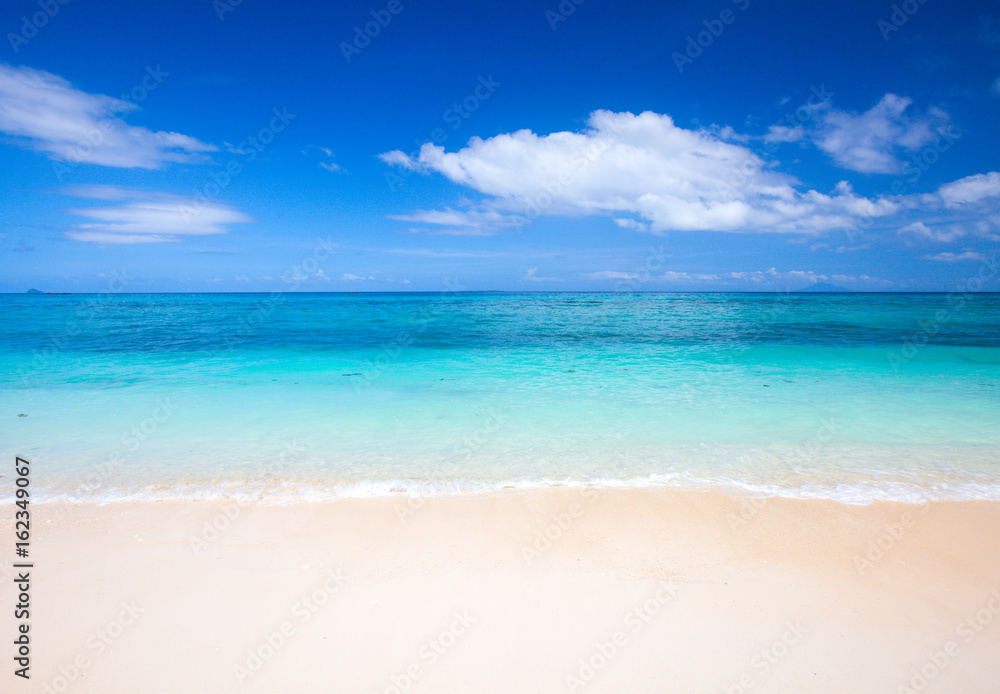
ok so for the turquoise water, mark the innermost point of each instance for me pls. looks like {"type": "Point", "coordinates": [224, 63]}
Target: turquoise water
{"type": "Point", "coordinates": [300, 396]}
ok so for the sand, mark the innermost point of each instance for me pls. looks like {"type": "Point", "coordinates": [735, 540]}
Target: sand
{"type": "Point", "coordinates": [555, 590]}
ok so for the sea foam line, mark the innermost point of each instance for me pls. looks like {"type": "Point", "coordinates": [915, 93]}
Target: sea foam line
{"type": "Point", "coordinates": [294, 491]}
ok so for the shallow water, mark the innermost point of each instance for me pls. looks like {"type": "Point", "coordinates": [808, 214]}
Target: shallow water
{"type": "Point", "coordinates": [295, 396]}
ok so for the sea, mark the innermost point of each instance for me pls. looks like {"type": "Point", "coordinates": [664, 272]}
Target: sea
{"type": "Point", "coordinates": [291, 397]}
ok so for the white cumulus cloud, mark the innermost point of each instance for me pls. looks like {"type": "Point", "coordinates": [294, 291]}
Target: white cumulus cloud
{"type": "Point", "coordinates": [633, 166]}
{"type": "Point", "coordinates": [49, 115]}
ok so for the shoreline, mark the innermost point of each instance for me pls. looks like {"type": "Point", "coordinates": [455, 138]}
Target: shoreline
{"type": "Point", "coordinates": [271, 492]}
{"type": "Point", "coordinates": [554, 590]}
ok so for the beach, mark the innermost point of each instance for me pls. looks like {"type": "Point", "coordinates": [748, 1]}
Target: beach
{"type": "Point", "coordinates": [504, 492]}
{"type": "Point", "coordinates": [546, 590]}
{"type": "Point", "coordinates": [500, 348]}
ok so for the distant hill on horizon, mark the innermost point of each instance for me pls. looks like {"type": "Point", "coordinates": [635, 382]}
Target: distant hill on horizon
{"type": "Point", "coordinates": [33, 291]}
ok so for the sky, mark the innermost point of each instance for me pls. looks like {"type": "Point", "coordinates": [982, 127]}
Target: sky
{"type": "Point", "coordinates": [405, 145]}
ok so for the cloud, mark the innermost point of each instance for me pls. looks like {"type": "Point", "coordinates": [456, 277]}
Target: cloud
{"type": "Point", "coordinates": [531, 276]}
{"type": "Point", "coordinates": [971, 189]}
{"type": "Point", "coordinates": [771, 274]}
{"type": "Point", "coordinates": [50, 116]}
{"type": "Point", "coordinates": [938, 233]}
{"type": "Point", "coordinates": [869, 142]}
{"type": "Point", "coordinates": [632, 224]}
{"type": "Point", "coordinates": [444, 254]}
{"type": "Point", "coordinates": [458, 222]}
{"type": "Point", "coordinates": [143, 217]}
{"type": "Point", "coordinates": [803, 278]}
{"type": "Point", "coordinates": [758, 278]}
{"type": "Point", "coordinates": [672, 276]}
{"type": "Point", "coordinates": [348, 277]}
{"type": "Point", "coordinates": [330, 166]}
{"type": "Point", "coordinates": [955, 257]}
{"type": "Point", "coordinates": [642, 166]}
{"type": "Point", "coordinates": [784, 133]}
{"type": "Point", "coordinates": [610, 275]}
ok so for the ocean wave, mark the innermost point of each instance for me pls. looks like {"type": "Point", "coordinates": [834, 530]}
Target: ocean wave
{"type": "Point", "coordinates": [283, 492]}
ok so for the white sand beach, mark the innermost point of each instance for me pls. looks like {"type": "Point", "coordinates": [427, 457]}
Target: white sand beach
{"type": "Point", "coordinates": [555, 590]}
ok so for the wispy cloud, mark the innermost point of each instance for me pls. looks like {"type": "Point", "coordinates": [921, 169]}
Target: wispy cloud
{"type": "Point", "coordinates": [49, 115]}
{"type": "Point", "coordinates": [770, 278]}
{"type": "Point", "coordinates": [532, 276]}
{"type": "Point", "coordinates": [772, 274]}
{"type": "Point", "coordinates": [948, 257]}
{"type": "Point", "coordinates": [145, 217]}
{"type": "Point", "coordinates": [458, 222]}
{"type": "Point", "coordinates": [870, 142]}
{"type": "Point", "coordinates": [609, 275]}
{"type": "Point", "coordinates": [672, 276]}
{"type": "Point", "coordinates": [632, 224]}
{"type": "Point", "coordinates": [430, 253]}
{"type": "Point", "coordinates": [939, 232]}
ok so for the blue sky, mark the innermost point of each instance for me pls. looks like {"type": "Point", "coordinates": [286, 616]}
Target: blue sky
{"type": "Point", "coordinates": [726, 145]}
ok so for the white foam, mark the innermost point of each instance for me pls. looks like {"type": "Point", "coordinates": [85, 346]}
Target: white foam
{"type": "Point", "coordinates": [294, 491]}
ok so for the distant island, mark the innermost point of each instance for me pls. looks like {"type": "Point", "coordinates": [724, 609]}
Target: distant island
{"type": "Point", "coordinates": [822, 287]}
{"type": "Point", "coordinates": [35, 291]}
